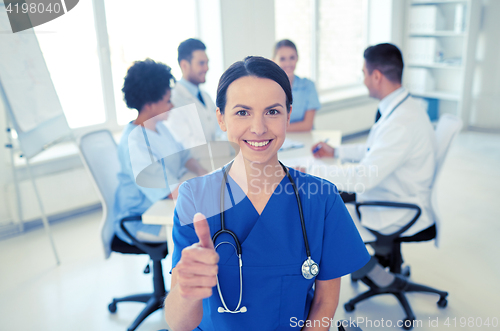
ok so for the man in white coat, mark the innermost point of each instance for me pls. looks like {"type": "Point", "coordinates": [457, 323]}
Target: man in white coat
{"type": "Point", "coordinates": [193, 121]}
{"type": "Point", "coordinates": [398, 160]}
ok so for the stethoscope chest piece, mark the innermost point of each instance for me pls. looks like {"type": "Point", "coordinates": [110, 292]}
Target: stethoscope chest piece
{"type": "Point", "coordinates": [310, 269]}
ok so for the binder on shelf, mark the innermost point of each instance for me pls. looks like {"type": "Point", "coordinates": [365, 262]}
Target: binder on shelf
{"type": "Point", "coordinates": [419, 80]}
{"type": "Point", "coordinates": [432, 108]}
{"type": "Point", "coordinates": [423, 50]}
{"type": "Point", "coordinates": [459, 17]}
{"type": "Point", "coordinates": [425, 19]}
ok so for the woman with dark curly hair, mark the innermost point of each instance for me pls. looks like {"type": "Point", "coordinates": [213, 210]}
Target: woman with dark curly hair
{"type": "Point", "coordinates": [146, 141]}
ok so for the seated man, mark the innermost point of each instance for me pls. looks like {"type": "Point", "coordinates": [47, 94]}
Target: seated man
{"type": "Point", "coordinates": [198, 125]}
{"type": "Point", "coordinates": [398, 161]}
{"type": "Point", "coordinates": [145, 141]}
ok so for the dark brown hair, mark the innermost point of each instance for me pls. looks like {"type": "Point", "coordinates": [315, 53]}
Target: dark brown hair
{"type": "Point", "coordinates": [387, 59]}
{"type": "Point", "coordinates": [284, 43]}
{"type": "Point", "coordinates": [253, 66]}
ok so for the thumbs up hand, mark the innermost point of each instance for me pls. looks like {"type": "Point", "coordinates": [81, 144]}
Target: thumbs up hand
{"type": "Point", "coordinates": [197, 268]}
{"type": "Point", "coordinates": [202, 231]}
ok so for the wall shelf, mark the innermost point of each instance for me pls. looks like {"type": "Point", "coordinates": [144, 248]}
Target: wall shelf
{"type": "Point", "coordinates": [436, 30]}
{"type": "Point", "coordinates": [437, 2]}
{"type": "Point", "coordinates": [439, 34]}
{"type": "Point", "coordinates": [435, 66]}
{"type": "Point", "coordinates": [450, 96]}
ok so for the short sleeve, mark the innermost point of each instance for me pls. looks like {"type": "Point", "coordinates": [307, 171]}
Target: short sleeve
{"type": "Point", "coordinates": [312, 97]}
{"type": "Point", "coordinates": [183, 234]}
{"type": "Point", "coordinates": [343, 249]}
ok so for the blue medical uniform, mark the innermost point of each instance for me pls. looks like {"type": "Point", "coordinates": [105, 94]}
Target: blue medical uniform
{"type": "Point", "coordinates": [273, 250]}
{"type": "Point", "coordinates": [305, 97]}
{"type": "Point", "coordinates": [132, 199]}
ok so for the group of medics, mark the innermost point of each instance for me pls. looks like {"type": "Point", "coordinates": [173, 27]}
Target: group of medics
{"type": "Point", "coordinates": [250, 248]}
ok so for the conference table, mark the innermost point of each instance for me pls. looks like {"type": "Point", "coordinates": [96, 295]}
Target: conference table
{"type": "Point", "coordinates": [162, 212]}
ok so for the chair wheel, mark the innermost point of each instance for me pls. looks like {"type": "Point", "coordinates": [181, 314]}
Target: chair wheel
{"type": "Point", "coordinates": [349, 307]}
{"type": "Point", "coordinates": [112, 307]}
{"type": "Point", "coordinates": [442, 303]}
{"type": "Point", "coordinates": [406, 271]}
{"type": "Point", "coordinates": [408, 324]}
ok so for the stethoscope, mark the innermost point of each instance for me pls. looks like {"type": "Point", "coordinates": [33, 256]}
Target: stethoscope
{"type": "Point", "coordinates": [309, 268]}
{"type": "Point", "coordinates": [399, 104]}
{"type": "Point", "coordinates": [392, 111]}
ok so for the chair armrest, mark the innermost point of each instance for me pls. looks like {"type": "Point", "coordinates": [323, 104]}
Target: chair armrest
{"type": "Point", "coordinates": [392, 205]}
{"type": "Point", "coordinates": [141, 245]}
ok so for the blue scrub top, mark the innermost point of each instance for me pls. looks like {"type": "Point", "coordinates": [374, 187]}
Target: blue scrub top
{"type": "Point", "coordinates": [132, 199]}
{"type": "Point", "coordinates": [273, 250]}
{"type": "Point", "coordinates": [305, 97]}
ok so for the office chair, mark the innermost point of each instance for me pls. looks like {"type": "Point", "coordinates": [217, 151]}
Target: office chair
{"type": "Point", "coordinates": [388, 247]}
{"type": "Point", "coordinates": [99, 152]}
{"type": "Point", "coordinates": [345, 325]}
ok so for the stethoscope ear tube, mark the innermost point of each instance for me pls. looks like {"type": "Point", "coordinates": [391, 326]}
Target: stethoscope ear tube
{"type": "Point", "coordinates": [301, 214]}
{"type": "Point", "coordinates": [222, 219]}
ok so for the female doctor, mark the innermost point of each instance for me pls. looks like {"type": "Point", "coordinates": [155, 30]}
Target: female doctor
{"type": "Point", "coordinates": [286, 237]}
{"type": "Point", "coordinates": [306, 101]}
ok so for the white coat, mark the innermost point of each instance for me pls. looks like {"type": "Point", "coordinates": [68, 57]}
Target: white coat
{"type": "Point", "coordinates": [396, 164]}
{"type": "Point", "coordinates": [184, 126]}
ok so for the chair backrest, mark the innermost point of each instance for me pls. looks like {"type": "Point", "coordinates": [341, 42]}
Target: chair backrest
{"type": "Point", "coordinates": [100, 154]}
{"type": "Point", "coordinates": [446, 129]}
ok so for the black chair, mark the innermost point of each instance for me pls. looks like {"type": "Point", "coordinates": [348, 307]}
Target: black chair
{"type": "Point", "coordinates": [99, 151]}
{"type": "Point", "coordinates": [388, 247]}
{"type": "Point", "coordinates": [388, 253]}
{"type": "Point", "coordinates": [349, 326]}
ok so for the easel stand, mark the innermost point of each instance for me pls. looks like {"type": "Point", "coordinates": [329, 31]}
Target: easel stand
{"type": "Point", "coordinates": [37, 194]}
{"type": "Point", "coordinates": [32, 179]}
{"type": "Point", "coordinates": [16, 182]}
{"type": "Point", "coordinates": [31, 103]}
{"type": "Point", "coordinates": [42, 211]}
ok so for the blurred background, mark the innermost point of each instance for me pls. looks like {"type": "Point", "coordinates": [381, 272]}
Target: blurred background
{"type": "Point", "coordinates": [452, 62]}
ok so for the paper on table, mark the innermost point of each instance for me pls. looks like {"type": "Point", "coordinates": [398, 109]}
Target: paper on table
{"type": "Point", "coordinates": [311, 165]}
{"type": "Point", "coordinates": [290, 144]}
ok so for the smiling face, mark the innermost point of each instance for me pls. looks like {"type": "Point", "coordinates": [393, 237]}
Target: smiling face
{"type": "Point", "coordinates": [195, 71]}
{"type": "Point", "coordinates": [286, 58]}
{"type": "Point", "coordinates": [255, 118]}
{"type": "Point", "coordinates": [371, 81]}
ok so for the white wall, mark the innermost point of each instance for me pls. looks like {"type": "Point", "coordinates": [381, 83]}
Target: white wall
{"type": "Point", "coordinates": [247, 29]}
{"type": "Point", "coordinates": [60, 193]}
{"type": "Point", "coordinates": [349, 120]}
{"type": "Point", "coordinates": [385, 22]}
{"type": "Point", "coordinates": [485, 112]}
{"type": "Point", "coordinates": [209, 31]}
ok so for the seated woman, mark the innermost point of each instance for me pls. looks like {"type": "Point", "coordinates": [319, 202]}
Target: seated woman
{"type": "Point", "coordinates": [305, 97]}
{"type": "Point", "coordinates": [275, 253]}
{"type": "Point", "coordinates": [147, 89]}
